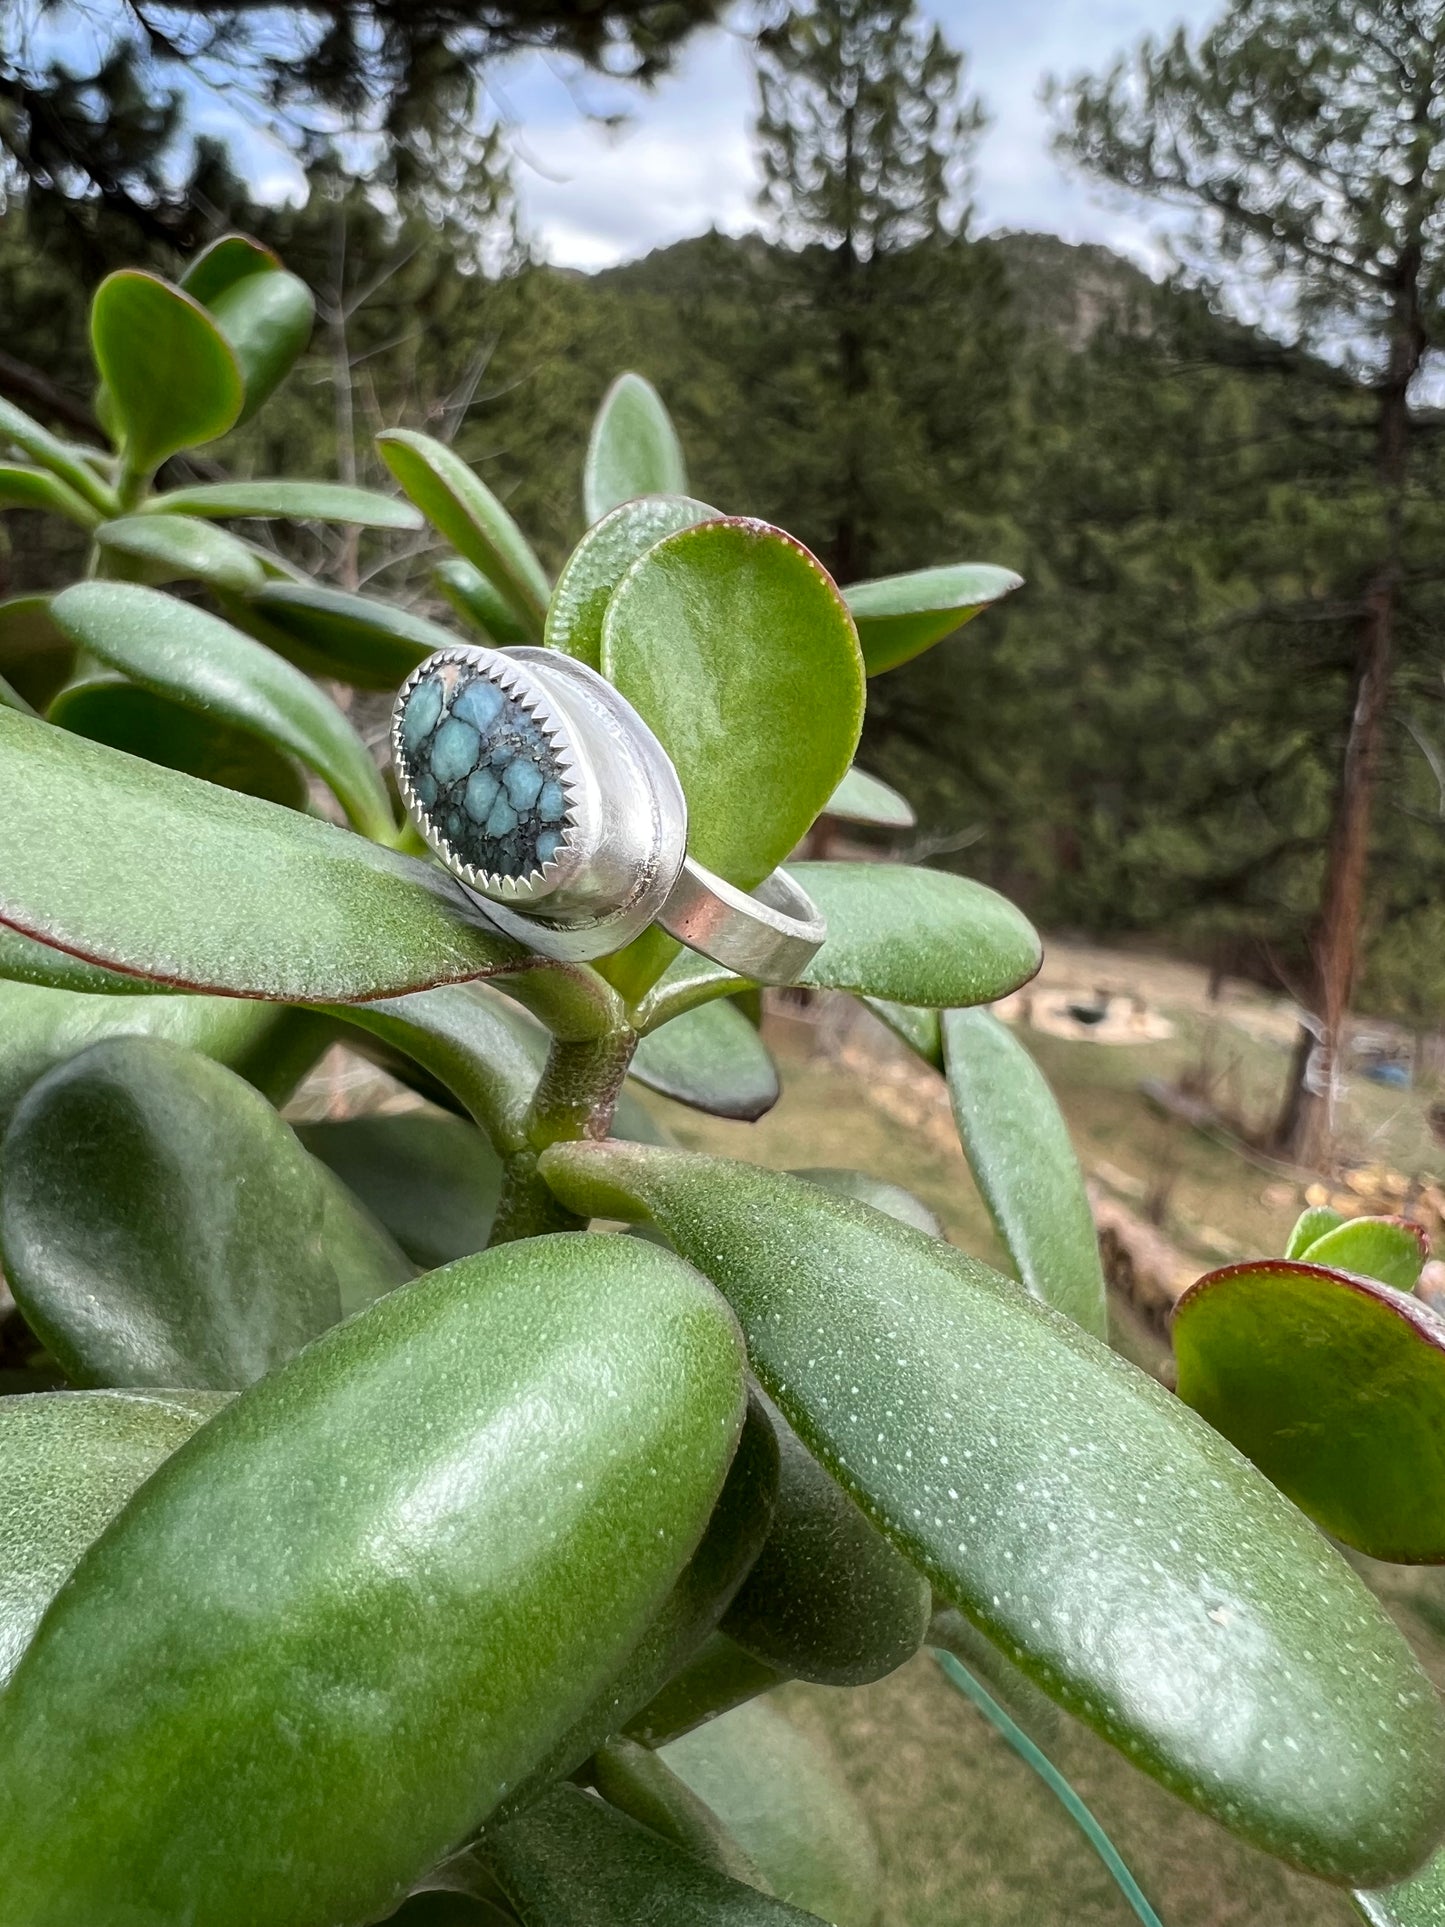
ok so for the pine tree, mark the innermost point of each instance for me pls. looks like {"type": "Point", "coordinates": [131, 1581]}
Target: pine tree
{"type": "Point", "coordinates": [1307, 137]}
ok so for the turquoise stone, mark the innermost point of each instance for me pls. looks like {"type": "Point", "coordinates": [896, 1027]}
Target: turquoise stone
{"type": "Point", "coordinates": [483, 772]}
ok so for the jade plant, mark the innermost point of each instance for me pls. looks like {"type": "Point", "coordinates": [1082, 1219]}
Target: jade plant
{"type": "Point", "coordinates": [404, 1517]}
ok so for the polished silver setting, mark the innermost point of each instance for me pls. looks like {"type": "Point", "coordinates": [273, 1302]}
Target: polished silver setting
{"type": "Point", "coordinates": [622, 863]}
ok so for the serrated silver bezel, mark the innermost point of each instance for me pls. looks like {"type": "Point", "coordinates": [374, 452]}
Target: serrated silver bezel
{"type": "Point", "coordinates": [518, 687]}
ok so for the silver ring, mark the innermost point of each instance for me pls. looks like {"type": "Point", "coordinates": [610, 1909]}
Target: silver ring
{"type": "Point", "coordinates": [552, 803]}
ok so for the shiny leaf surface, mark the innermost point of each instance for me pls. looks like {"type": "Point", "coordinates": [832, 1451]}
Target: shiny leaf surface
{"type": "Point", "coordinates": [1393, 1250]}
{"type": "Point", "coordinates": [1311, 1225]}
{"type": "Point", "coordinates": [296, 501]}
{"type": "Point", "coordinates": [172, 548]}
{"type": "Point", "coordinates": [307, 913]}
{"type": "Point", "coordinates": [162, 1226]}
{"type": "Point", "coordinates": [712, 1059]}
{"type": "Point", "coordinates": [431, 1181]}
{"type": "Point", "coordinates": [734, 644]}
{"type": "Point", "coordinates": [573, 1861]}
{"type": "Point", "coordinates": [599, 562]}
{"type": "Point", "coordinates": [266, 316]}
{"type": "Point", "coordinates": [354, 638]}
{"type": "Point", "coordinates": [71, 1460]}
{"type": "Point", "coordinates": [321, 1559]}
{"type": "Point", "coordinates": [480, 604]}
{"type": "Point", "coordinates": [899, 616]}
{"type": "Point", "coordinates": [1137, 1567]}
{"type": "Point", "coordinates": [224, 262]}
{"type": "Point", "coordinates": [1335, 1386]}
{"type": "Point", "coordinates": [142, 722]}
{"type": "Point", "coordinates": [20, 431]}
{"type": "Point", "coordinates": [182, 652]}
{"type": "Point", "coordinates": [861, 798]}
{"type": "Point", "coordinates": [787, 1807]}
{"type": "Point", "coordinates": [171, 376]}
{"type": "Point", "coordinates": [23, 487]}
{"type": "Point", "coordinates": [460, 506]}
{"type": "Point", "coordinates": [829, 1599]}
{"type": "Point", "coordinates": [1018, 1149]}
{"type": "Point", "coordinates": [633, 449]}
{"type": "Point", "coordinates": [1415, 1903]}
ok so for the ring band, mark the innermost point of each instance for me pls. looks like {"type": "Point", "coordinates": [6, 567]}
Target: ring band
{"type": "Point", "coordinates": [770, 936]}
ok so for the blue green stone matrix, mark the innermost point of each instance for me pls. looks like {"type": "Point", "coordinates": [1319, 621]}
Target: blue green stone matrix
{"type": "Point", "coordinates": [483, 772]}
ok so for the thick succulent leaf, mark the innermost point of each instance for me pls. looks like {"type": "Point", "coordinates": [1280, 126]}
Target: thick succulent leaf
{"type": "Point", "coordinates": [321, 1559]}
{"type": "Point", "coordinates": [638, 1782]}
{"type": "Point", "coordinates": [712, 1059]}
{"type": "Point", "coordinates": [741, 608]}
{"type": "Point", "coordinates": [718, 1677]}
{"type": "Point", "coordinates": [174, 548]}
{"type": "Point", "coordinates": [18, 430]}
{"type": "Point", "coordinates": [28, 962]}
{"type": "Point", "coordinates": [1019, 1151]}
{"type": "Point", "coordinates": [878, 1192]}
{"type": "Point", "coordinates": [198, 888]}
{"type": "Point", "coordinates": [435, 1908]}
{"type": "Point", "coordinates": [1393, 1250]}
{"type": "Point", "coordinates": [431, 1181]}
{"type": "Point", "coordinates": [461, 507]}
{"type": "Point", "coordinates": [110, 709]}
{"type": "Point", "coordinates": [1335, 1386]}
{"type": "Point", "coordinates": [861, 798]}
{"type": "Point", "coordinates": [71, 1460]}
{"type": "Point", "coordinates": [916, 936]}
{"type": "Point", "coordinates": [734, 1537]}
{"type": "Point", "coordinates": [42, 1025]}
{"type": "Point", "coordinates": [1312, 1225]}
{"type": "Point", "coordinates": [224, 262]}
{"type": "Point", "coordinates": [197, 660]}
{"type": "Point", "coordinates": [480, 604]}
{"type": "Point", "coordinates": [295, 501]}
{"type": "Point", "coordinates": [599, 562]}
{"type": "Point", "coordinates": [786, 1806]}
{"type": "Point", "coordinates": [34, 657]}
{"type": "Point", "coordinates": [354, 638]}
{"type": "Point", "coordinates": [1136, 1566]}
{"type": "Point", "coordinates": [633, 449]}
{"type": "Point", "coordinates": [161, 1225]}
{"type": "Point", "coordinates": [172, 379]}
{"type": "Point", "coordinates": [266, 314]}
{"type": "Point", "coordinates": [24, 487]}
{"type": "Point", "coordinates": [12, 699]}
{"type": "Point", "coordinates": [829, 1599]}
{"type": "Point", "coordinates": [574, 1861]}
{"type": "Point", "coordinates": [899, 616]}
{"type": "Point", "coordinates": [1415, 1903]}
{"type": "Point", "coordinates": [921, 1030]}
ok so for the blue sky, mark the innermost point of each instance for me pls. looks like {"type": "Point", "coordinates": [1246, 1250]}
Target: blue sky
{"type": "Point", "coordinates": [684, 161]}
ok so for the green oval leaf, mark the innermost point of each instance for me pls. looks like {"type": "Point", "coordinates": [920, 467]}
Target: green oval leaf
{"type": "Point", "coordinates": [1335, 1386]}
{"type": "Point", "coordinates": [573, 1399]}
{"type": "Point", "coordinates": [142, 722]}
{"type": "Point", "coordinates": [599, 562]}
{"type": "Point", "coordinates": [861, 798]}
{"type": "Point", "coordinates": [71, 1460]}
{"type": "Point", "coordinates": [267, 317]}
{"type": "Point", "coordinates": [638, 1782]}
{"type": "Point", "coordinates": [633, 449]}
{"type": "Point", "coordinates": [899, 616]}
{"type": "Point", "coordinates": [1393, 1250]}
{"type": "Point", "coordinates": [432, 1182]}
{"type": "Point", "coordinates": [574, 1861]}
{"type": "Point", "coordinates": [354, 638]}
{"type": "Point", "coordinates": [199, 888]}
{"type": "Point", "coordinates": [196, 659]}
{"type": "Point", "coordinates": [1134, 1564]}
{"type": "Point", "coordinates": [18, 430]}
{"type": "Point", "coordinates": [921, 1030]}
{"type": "Point", "coordinates": [718, 1676]}
{"type": "Point", "coordinates": [741, 608]}
{"type": "Point", "coordinates": [878, 1192]}
{"type": "Point", "coordinates": [44, 1025]}
{"type": "Point", "coordinates": [34, 657]}
{"type": "Point", "coordinates": [1416, 1903]}
{"type": "Point", "coordinates": [23, 487]}
{"type": "Point", "coordinates": [480, 603]}
{"type": "Point", "coordinates": [12, 699]}
{"type": "Point", "coordinates": [460, 506]}
{"type": "Point", "coordinates": [224, 262]}
{"type": "Point", "coordinates": [173, 548]}
{"type": "Point", "coordinates": [295, 501]}
{"type": "Point", "coordinates": [787, 1808]}
{"type": "Point", "coordinates": [1018, 1149]}
{"type": "Point", "coordinates": [829, 1599]}
{"type": "Point", "coordinates": [160, 1225]}
{"type": "Point", "coordinates": [1311, 1225]}
{"type": "Point", "coordinates": [712, 1059]}
{"type": "Point", "coordinates": [171, 376]}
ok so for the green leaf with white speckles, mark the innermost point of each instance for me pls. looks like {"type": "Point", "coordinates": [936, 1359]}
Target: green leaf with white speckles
{"type": "Point", "coordinates": [712, 1059]}
{"type": "Point", "coordinates": [174, 548]}
{"type": "Point", "coordinates": [599, 562]}
{"type": "Point", "coordinates": [432, 1181]}
{"type": "Point", "coordinates": [1416, 1903]}
{"type": "Point", "coordinates": [633, 449]}
{"type": "Point", "coordinates": [1018, 1149]}
{"type": "Point", "coordinates": [575, 1400]}
{"type": "Point", "coordinates": [1140, 1569]}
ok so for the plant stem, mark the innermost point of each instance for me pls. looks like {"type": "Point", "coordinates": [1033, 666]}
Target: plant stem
{"type": "Point", "coordinates": [574, 1099]}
